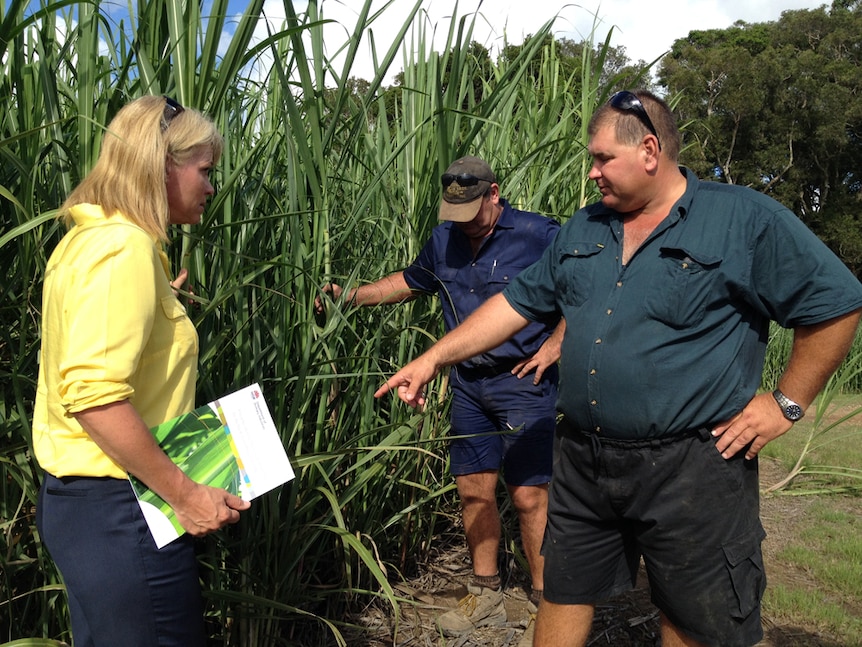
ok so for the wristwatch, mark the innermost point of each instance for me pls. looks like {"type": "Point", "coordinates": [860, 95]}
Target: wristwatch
{"type": "Point", "coordinates": [789, 408]}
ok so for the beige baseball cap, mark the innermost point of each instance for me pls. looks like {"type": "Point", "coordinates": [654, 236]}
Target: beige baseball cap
{"type": "Point", "coordinates": [464, 183]}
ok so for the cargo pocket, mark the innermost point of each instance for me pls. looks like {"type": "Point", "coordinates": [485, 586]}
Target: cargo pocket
{"type": "Point", "coordinates": [747, 575]}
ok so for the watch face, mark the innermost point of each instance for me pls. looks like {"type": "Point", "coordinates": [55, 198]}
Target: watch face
{"type": "Point", "coordinates": [789, 408]}
{"type": "Point", "coordinates": [793, 412]}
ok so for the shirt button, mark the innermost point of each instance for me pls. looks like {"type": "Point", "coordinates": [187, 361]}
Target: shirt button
{"type": "Point", "coordinates": [599, 341]}
{"type": "Point", "coordinates": [592, 371]}
{"type": "Point", "coordinates": [593, 402]}
{"type": "Point", "coordinates": [598, 430]}
{"type": "Point", "coordinates": [610, 310]}
{"type": "Point", "coordinates": [619, 284]}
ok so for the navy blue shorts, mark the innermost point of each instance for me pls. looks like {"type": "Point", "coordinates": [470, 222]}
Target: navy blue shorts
{"type": "Point", "coordinates": [122, 589]}
{"type": "Point", "coordinates": [502, 423]}
{"type": "Point", "coordinates": [692, 515]}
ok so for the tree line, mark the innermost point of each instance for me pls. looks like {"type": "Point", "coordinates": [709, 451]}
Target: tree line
{"type": "Point", "coordinates": [776, 106]}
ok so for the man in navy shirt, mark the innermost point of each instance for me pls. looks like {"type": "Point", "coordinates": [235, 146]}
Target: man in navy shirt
{"type": "Point", "coordinates": [668, 286]}
{"type": "Point", "coordinates": [474, 254]}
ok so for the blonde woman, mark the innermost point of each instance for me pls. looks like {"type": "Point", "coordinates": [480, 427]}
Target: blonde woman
{"type": "Point", "coordinates": [119, 356]}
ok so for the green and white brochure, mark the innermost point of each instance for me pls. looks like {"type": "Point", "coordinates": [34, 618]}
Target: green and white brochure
{"type": "Point", "coordinates": [231, 443]}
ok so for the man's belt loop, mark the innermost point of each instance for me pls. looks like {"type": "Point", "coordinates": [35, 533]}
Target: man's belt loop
{"type": "Point", "coordinates": [597, 454]}
{"type": "Point", "coordinates": [568, 429]}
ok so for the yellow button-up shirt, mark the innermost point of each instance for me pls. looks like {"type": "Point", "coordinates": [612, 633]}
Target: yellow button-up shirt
{"type": "Point", "coordinates": [112, 330]}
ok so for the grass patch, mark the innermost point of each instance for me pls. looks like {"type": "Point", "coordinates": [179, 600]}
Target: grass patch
{"type": "Point", "coordinates": [833, 458]}
{"type": "Point", "coordinates": [832, 551]}
{"type": "Point", "coordinates": [815, 575]}
{"type": "Point", "coordinates": [813, 609]}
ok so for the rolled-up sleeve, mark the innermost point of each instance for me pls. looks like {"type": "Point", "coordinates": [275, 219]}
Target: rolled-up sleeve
{"type": "Point", "coordinates": [107, 316]}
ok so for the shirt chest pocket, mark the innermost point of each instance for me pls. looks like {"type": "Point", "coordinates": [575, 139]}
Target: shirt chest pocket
{"type": "Point", "coordinates": [499, 276]}
{"type": "Point", "coordinates": [480, 278]}
{"type": "Point", "coordinates": [685, 284]}
{"type": "Point", "coordinates": [178, 331]}
{"type": "Point", "coordinates": [577, 267]}
{"type": "Point", "coordinates": [172, 308]}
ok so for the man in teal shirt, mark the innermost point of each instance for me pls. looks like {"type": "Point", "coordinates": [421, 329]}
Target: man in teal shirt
{"type": "Point", "coordinates": [667, 285]}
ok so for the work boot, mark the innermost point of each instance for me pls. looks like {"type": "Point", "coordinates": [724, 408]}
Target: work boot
{"type": "Point", "coordinates": [479, 608]}
{"type": "Point", "coordinates": [530, 631]}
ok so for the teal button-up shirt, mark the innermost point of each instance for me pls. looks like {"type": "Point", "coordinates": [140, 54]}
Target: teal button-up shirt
{"type": "Point", "coordinates": [675, 340]}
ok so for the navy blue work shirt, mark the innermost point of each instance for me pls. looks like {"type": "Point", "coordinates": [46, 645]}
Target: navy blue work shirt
{"type": "Point", "coordinates": [675, 340]}
{"type": "Point", "coordinates": [446, 266]}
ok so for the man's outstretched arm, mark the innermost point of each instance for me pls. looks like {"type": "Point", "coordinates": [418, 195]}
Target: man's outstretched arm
{"type": "Point", "coordinates": [490, 325]}
{"type": "Point", "coordinates": [390, 289]}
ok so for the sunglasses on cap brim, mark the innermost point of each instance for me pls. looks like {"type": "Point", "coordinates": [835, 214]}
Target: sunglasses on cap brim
{"type": "Point", "coordinates": [463, 179]}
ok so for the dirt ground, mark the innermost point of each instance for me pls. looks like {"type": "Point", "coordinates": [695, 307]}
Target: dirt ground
{"type": "Point", "coordinates": [629, 620]}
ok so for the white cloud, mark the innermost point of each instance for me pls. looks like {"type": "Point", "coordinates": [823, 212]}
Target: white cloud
{"type": "Point", "coordinates": [645, 29]}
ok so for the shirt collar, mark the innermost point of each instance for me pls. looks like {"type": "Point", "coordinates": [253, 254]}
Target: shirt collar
{"type": "Point", "coordinates": [678, 211]}
{"type": "Point", "coordinates": [88, 214]}
{"type": "Point", "coordinates": [85, 214]}
{"type": "Point", "coordinates": [692, 183]}
{"type": "Point", "coordinates": [507, 218]}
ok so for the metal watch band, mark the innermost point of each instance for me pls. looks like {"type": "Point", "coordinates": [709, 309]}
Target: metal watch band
{"type": "Point", "coordinates": [791, 410]}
